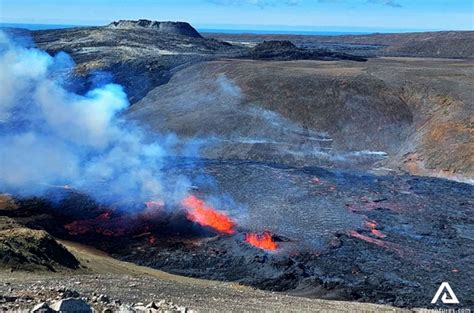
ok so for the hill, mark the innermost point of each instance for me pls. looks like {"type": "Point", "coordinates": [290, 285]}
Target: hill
{"type": "Point", "coordinates": [175, 28]}
{"type": "Point", "coordinates": [140, 54]}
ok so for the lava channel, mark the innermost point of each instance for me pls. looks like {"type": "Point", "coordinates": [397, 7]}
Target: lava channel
{"type": "Point", "coordinates": [199, 212]}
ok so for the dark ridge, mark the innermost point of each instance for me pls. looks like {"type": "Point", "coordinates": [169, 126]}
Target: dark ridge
{"type": "Point", "coordinates": [276, 44]}
{"type": "Point", "coordinates": [175, 28]}
{"type": "Point", "coordinates": [284, 50]}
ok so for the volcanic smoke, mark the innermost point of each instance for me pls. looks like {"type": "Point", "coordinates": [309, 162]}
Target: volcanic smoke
{"type": "Point", "coordinates": [53, 136]}
{"type": "Point", "coordinates": [50, 135]}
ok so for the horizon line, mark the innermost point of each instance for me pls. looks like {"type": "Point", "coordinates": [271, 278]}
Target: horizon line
{"type": "Point", "coordinates": [264, 28]}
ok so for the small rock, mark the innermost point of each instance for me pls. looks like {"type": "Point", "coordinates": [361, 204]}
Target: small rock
{"type": "Point", "coordinates": [335, 243]}
{"type": "Point", "coordinates": [42, 307]}
{"type": "Point", "coordinates": [161, 303]}
{"type": "Point", "coordinates": [71, 305]}
{"type": "Point", "coordinates": [103, 299]}
{"type": "Point", "coordinates": [151, 305]}
{"type": "Point", "coordinates": [68, 293]}
{"type": "Point", "coordinates": [126, 309]}
{"type": "Point", "coordinates": [140, 308]}
{"type": "Point", "coordinates": [182, 309]}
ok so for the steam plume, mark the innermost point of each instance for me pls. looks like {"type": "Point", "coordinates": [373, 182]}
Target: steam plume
{"type": "Point", "coordinates": [52, 136]}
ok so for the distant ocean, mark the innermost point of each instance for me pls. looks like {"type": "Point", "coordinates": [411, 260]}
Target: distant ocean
{"type": "Point", "coordinates": [280, 32]}
{"type": "Point", "coordinates": [202, 30]}
{"type": "Point", "coordinates": [37, 26]}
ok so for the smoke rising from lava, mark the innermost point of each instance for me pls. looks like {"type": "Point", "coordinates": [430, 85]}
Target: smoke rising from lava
{"type": "Point", "coordinates": [53, 136]}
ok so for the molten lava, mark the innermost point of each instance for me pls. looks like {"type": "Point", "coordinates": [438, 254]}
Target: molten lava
{"type": "Point", "coordinates": [199, 212]}
{"type": "Point", "coordinates": [263, 241]}
{"type": "Point", "coordinates": [381, 243]}
{"type": "Point", "coordinates": [373, 229]}
{"type": "Point", "coordinates": [102, 224]}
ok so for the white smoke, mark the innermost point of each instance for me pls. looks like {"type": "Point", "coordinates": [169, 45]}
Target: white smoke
{"type": "Point", "coordinates": [52, 136]}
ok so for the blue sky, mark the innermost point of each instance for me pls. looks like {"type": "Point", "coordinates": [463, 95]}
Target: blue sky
{"type": "Point", "coordinates": [360, 15]}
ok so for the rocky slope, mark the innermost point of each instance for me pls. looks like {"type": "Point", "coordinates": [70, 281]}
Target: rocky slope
{"type": "Point", "coordinates": [140, 55]}
{"type": "Point", "coordinates": [22, 248]}
{"type": "Point", "coordinates": [126, 287]}
{"type": "Point", "coordinates": [26, 249]}
{"type": "Point", "coordinates": [376, 114]}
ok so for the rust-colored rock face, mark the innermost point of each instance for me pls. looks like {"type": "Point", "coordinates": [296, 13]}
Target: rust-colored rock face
{"type": "Point", "coordinates": [383, 114]}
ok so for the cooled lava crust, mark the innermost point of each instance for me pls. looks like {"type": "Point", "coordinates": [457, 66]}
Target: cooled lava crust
{"type": "Point", "coordinates": [340, 235]}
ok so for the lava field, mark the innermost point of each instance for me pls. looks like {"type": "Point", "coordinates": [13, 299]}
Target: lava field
{"type": "Point", "coordinates": [306, 231]}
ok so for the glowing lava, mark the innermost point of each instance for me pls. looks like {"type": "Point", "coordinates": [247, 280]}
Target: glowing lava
{"type": "Point", "coordinates": [263, 241]}
{"type": "Point", "coordinates": [102, 224]}
{"type": "Point", "coordinates": [381, 243]}
{"type": "Point", "coordinates": [199, 212]}
{"type": "Point", "coordinates": [373, 229]}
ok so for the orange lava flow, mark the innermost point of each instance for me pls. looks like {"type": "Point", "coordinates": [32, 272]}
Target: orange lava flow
{"type": "Point", "coordinates": [378, 242]}
{"type": "Point", "coordinates": [373, 229]}
{"type": "Point", "coordinates": [263, 241]}
{"type": "Point", "coordinates": [205, 215]}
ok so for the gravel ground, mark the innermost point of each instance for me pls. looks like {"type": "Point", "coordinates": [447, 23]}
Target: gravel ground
{"type": "Point", "coordinates": [108, 283]}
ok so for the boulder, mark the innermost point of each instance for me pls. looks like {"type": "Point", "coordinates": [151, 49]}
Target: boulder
{"type": "Point", "coordinates": [42, 307]}
{"type": "Point", "coordinates": [72, 305]}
